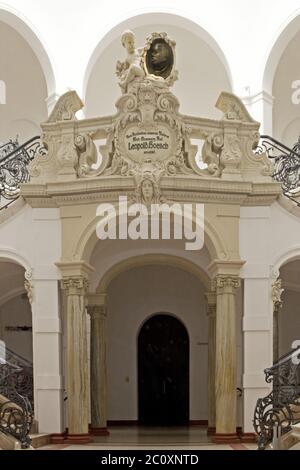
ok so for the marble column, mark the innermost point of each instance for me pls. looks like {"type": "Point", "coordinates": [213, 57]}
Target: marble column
{"type": "Point", "coordinates": [98, 312]}
{"type": "Point", "coordinates": [277, 304]}
{"type": "Point", "coordinates": [211, 313]}
{"type": "Point", "coordinates": [226, 367]}
{"type": "Point", "coordinates": [75, 288]}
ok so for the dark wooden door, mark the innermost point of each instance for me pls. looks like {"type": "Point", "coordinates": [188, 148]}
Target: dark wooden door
{"type": "Point", "coordinates": [163, 372]}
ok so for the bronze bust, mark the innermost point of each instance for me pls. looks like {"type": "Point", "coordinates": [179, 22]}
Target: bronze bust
{"type": "Point", "coordinates": [160, 58]}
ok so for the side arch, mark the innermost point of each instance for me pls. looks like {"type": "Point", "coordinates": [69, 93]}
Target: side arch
{"type": "Point", "coordinates": [16, 20]}
{"type": "Point", "coordinates": [287, 31]}
{"type": "Point", "coordinates": [10, 255]}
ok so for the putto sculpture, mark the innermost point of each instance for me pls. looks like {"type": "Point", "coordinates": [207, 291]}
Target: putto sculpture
{"type": "Point", "coordinates": [155, 61]}
{"type": "Point", "coordinates": [131, 68]}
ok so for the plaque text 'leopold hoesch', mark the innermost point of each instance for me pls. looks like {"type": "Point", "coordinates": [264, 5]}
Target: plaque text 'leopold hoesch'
{"type": "Point", "coordinates": [147, 143]}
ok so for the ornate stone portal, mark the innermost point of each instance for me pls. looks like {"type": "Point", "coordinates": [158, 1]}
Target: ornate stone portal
{"type": "Point", "coordinates": [148, 138]}
{"type": "Point", "coordinates": [149, 156]}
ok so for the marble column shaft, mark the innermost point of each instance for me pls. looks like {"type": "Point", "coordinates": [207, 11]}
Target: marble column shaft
{"type": "Point", "coordinates": [226, 366]}
{"type": "Point", "coordinates": [98, 366]}
{"type": "Point", "coordinates": [77, 357]}
{"type": "Point", "coordinates": [277, 307]}
{"type": "Point", "coordinates": [211, 312]}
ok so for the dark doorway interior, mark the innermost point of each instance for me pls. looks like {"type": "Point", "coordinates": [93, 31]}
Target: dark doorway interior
{"type": "Point", "coordinates": [163, 372]}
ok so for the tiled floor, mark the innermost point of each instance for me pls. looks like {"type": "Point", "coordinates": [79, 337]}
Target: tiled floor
{"type": "Point", "coordinates": [138, 438]}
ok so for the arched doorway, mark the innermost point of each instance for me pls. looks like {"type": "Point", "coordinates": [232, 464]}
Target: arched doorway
{"type": "Point", "coordinates": [163, 372]}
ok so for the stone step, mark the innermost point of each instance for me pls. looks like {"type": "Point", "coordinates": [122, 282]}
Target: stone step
{"type": "Point", "coordinates": [40, 440]}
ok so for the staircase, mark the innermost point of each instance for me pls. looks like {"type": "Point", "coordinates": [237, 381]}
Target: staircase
{"type": "Point", "coordinates": [279, 412]}
{"type": "Point", "coordinates": [16, 401]}
{"type": "Point", "coordinates": [14, 161]}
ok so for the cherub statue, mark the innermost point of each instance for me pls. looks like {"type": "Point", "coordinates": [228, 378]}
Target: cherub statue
{"type": "Point", "coordinates": [130, 69]}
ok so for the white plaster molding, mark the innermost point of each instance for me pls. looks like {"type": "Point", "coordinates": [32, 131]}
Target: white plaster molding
{"type": "Point", "coordinates": [10, 254]}
{"type": "Point", "coordinates": [260, 96]}
{"type": "Point", "coordinates": [287, 255]}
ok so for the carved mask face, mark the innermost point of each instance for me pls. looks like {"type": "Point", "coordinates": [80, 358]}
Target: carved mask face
{"type": "Point", "coordinates": [147, 190]}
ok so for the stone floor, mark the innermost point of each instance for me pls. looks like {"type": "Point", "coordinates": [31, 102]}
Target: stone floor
{"type": "Point", "coordinates": [139, 438]}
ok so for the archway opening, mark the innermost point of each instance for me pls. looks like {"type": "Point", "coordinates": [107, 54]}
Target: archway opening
{"type": "Point", "coordinates": [288, 314]}
{"type": "Point", "coordinates": [163, 372]}
{"type": "Point", "coordinates": [16, 344]}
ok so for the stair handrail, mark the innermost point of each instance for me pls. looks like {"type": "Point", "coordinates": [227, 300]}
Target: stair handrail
{"type": "Point", "coordinates": [14, 161]}
{"type": "Point", "coordinates": [286, 165]}
{"type": "Point", "coordinates": [16, 413]}
{"type": "Point", "coordinates": [24, 380]}
{"type": "Point", "coordinates": [281, 407]}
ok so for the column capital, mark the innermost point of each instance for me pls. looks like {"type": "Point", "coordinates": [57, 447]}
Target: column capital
{"type": "Point", "coordinates": [226, 284]}
{"type": "Point", "coordinates": [211, 299]}
{"type": "Point", "coordinates": [96, 306]}
{"type": "Point", "coordinates": [75, 285]}
{"type": "Point", "coordinates": [277, 292]}
{"type": "Point", "coordinates": [97, 311]}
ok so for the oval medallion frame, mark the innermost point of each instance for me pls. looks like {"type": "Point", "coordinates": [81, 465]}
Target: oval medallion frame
{"type": "Point", "coordinates": [158, 57]}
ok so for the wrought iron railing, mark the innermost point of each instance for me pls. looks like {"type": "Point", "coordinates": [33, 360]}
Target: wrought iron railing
{"type": "Point", "coordinates": [281, 408]}
{"type": "Point", "coordinates": [24, 379]}
{"type": "Point", "coordinates": [286, 165]}
{"type": "Point", "coordinates": [14, 160]}
{"type": "Point", "coordinates": [16, 413]}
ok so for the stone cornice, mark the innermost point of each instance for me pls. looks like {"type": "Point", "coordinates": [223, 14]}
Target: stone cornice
{"type": "Point", "coordinates": [183, 189]}
{"type": "Point", "coordinates": [74, 269]}
{"type": "Point", "coordinates": [225, 268]}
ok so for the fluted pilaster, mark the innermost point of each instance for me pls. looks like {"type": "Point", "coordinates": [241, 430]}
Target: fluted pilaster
{"type": "Point", "coordinates": [98, 312]}
{"type": "Point", "coordinates": [75, 288]}
{"type": "Point", "coordinates": [225, 379]}
{"type": "Point", "coordinates": [211, 313]}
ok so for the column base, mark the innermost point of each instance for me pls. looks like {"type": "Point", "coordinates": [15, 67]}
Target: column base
{"type": "Point", "coordinates": [219, 438]}
{"type": "Point", "coordinates": [58, 438]}
{"type": "Point", "coordinates": [211, 431]}
{"type": "Point", "coordinates": [249, 437]}
{"type": "Point", "coordinates": [78, 439]}
{"type": "Point", "coordinates": [99, 431]}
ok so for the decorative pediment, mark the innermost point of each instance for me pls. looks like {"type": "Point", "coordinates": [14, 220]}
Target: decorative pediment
{"type": "Point", "coordinates": [66, 107]}
{"type": "Point", "coordinates": [148, 143]}
{"type": "Point", "coordinates": [233, 108]}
